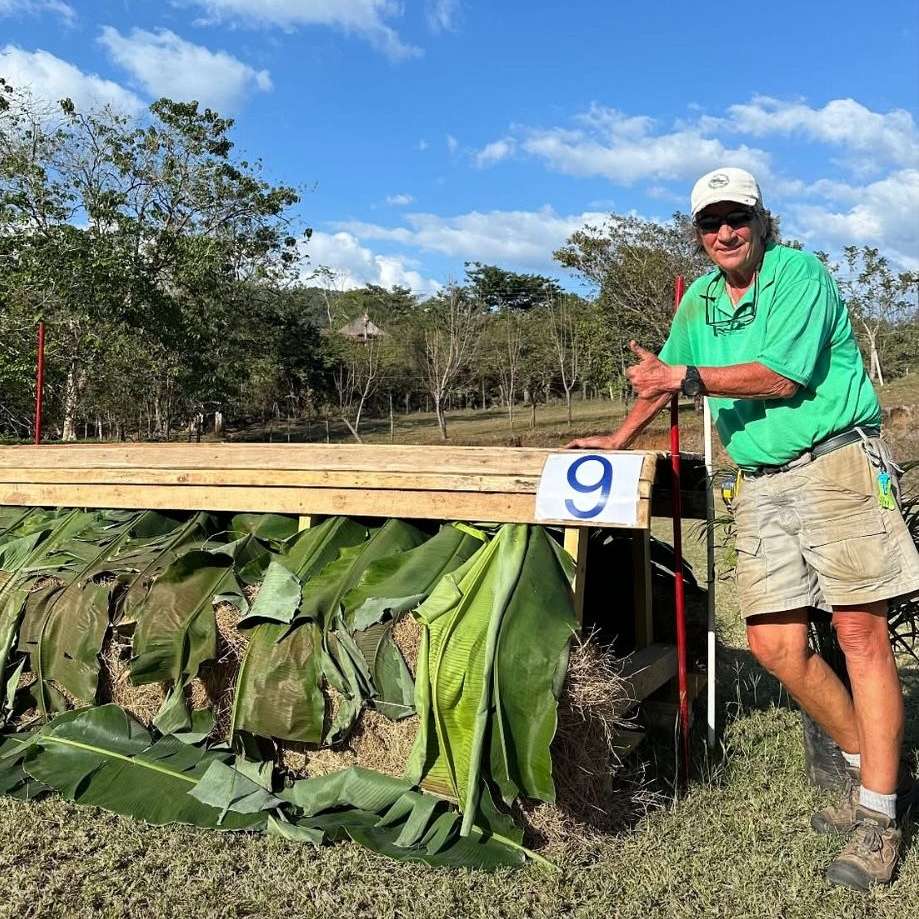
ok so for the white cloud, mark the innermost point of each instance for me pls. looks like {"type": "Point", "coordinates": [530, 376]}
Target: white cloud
{"type": "Point", "coordinates": [441, 14]}
{"type": "Point", "coordinates": [452, 144]}
{"type": "Point", "coordinates": [626, 149]}
{"type": "Point", "coordinates": [30, 7]}
{"type": "Point", "coordinates": [355, 265]}
{"type": "Point", "coordinates": [166, 65]}
{"type": "Point", "coordinates": [881, 214]}
{"type": "Point", "coordinates": [890, 137]}
{"type": "Point", "coordinates": [495, 152]}
{"type": "Point", "coordinates": [524, 238]}
{"type": "Point", "coordinates": [423, 145]}
{"type": "Point", "coordinates": [399, 200]}
{"type": "Point", "coordinates": [50, 78]}
{"type": "Point", "coordinates": [366, 18]}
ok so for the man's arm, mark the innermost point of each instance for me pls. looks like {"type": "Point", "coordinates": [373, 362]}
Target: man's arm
{"type": "Point", "coordinates": [656, 382]}
{"type": "Point", "coordinates": [643, 412]}
{"type": "Point", "coordinates": [651, 378]}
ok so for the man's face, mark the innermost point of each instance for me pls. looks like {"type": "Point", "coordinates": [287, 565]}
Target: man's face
{"type": "Point", "coordinates": [735, 249]}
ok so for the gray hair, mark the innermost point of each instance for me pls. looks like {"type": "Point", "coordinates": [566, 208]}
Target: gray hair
{"type": "Point", "coordinates": [767, 221]}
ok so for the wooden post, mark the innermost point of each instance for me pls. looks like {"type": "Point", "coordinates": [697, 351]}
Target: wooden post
{"type": "Point", "coordinates": [576, 547]}
{"type": "Point", "coordinates": [641, 581]}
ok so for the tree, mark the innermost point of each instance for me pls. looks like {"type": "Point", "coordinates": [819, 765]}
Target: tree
{"type": "Point", "coordinates": [880, 303]}
{"type": "Point", "coordinates": [565, 322]}
{"type": "Point", "coordinates": [446, 340]}
{"type": "Point", "coordinates": [498, 289]}
{"type": "Point", "coordinates": [631, 264]}
{"type": "Point", "coordinates": [112, 228]}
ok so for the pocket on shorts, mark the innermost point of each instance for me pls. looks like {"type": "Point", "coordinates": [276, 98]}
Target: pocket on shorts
{"type": "Point", "coordinates": [751, 565]}
{"type": "Point", "coordinates": [854, 549]}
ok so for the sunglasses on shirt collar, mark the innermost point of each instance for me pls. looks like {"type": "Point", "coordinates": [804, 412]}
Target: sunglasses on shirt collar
{"type": "Point", "coordinates": [735, 219]}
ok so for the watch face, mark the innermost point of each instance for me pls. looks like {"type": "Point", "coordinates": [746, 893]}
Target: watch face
{"type": "Point", "coordinates": [692, 387]}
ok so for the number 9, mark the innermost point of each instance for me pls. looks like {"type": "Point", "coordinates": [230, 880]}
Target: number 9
{"type": "Point", "coordinates": [602, 485]}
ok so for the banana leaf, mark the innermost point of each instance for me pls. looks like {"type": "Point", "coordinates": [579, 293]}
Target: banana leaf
{"type": "Point", "coordinates": [392, 686]}
{"type": "Point", "coordinates": [50, 533]}
{"type": "Point", "coordinates": [343, 665]}
{"type": "Point", "coordinates": [176, 630]}
{"type": "Point", "coordinates": [400, 582]}
{"type": "Point", "coordinates": [529, 674]}
{"type": "Point", "coordinates": [278, 687]}
{"type": "Point", "coordinates": [63, 629]}
{"type": "Point", "coordinates": [15, 782]}
{"type": "Point", "coordinates": [156, 543]}
{"type": "Point", "coordinates": [272, 529]}
{"type": "Point", "coordinates": [486, 677]}
{"type": "Point", "coordinates": [391, 817]}
{"type": "Point", "coordinates": [102, 756]}
{"type": "Point", "coordinates": [323, 596]}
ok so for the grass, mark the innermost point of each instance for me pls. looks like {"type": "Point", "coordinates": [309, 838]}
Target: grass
{"type": "Point", "coordinates": [737, 845]}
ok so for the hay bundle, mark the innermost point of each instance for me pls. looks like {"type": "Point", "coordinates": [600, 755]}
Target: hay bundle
{"type": "Point", "coordinates": [589, 801]}
{"type": "Point", "coordinates": [215, 685]}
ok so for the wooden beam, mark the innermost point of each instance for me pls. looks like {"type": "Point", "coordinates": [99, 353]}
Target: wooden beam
{"type": "Point", "coordinates": [647, 670]}
{"type": "Point", "coordinates": [439, 483]}
{"type": "Point", "coordinates": [576, 541]}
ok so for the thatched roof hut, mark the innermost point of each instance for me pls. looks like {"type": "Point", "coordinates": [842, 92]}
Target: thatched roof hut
{"type": "Point", "coordinates": [362, 329]}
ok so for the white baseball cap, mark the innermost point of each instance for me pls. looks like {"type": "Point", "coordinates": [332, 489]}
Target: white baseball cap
{"type": "Point", "coordinates": [725, 184]}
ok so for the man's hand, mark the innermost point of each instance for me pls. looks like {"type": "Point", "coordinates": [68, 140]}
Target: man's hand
{"type": "Point", "coordinates": [651, 377]}
{"type": "Point", "coordinates": [599, 442]}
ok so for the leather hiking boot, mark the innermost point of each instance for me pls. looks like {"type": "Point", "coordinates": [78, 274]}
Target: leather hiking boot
{"type": "Point", "coordinates": [840, 816]}
{"type": "Point", "coordinates": [871, 854]}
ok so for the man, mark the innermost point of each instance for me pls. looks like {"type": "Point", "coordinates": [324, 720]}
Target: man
{"type": "Point", "coordinates": [767, 338]}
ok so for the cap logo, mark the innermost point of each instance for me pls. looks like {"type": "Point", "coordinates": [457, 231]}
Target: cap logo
{"type": "Point", "coordinates": [718, 181]}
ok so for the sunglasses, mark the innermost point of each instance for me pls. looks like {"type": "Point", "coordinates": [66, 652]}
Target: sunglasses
{"type": "Point", "coordinates": [733, 323]}
{"type": "Point", "coordinates": [734, 220]}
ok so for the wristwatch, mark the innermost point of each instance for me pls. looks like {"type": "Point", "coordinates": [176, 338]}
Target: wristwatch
{"type": "Point", "coordinates": [692, 385]}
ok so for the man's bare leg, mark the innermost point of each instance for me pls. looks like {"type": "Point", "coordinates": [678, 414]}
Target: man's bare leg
{"type": "Point", "coordinates": [779, 642]}
{"type": "Point", "coordinates": [876, 692]}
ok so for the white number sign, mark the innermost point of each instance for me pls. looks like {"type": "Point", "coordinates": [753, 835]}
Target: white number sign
{"type": "Point", "coordinates": [590, 488]}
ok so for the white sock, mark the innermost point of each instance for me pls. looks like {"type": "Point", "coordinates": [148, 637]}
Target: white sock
{"type": "Point", "coordinates": [853, 759]}
{"type": "Point", "coordinates": [875, 801]}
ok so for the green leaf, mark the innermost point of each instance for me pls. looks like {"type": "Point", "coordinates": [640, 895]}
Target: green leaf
{"type": "Point", "coordinates": [496, 638]}
{"type": "Point", "coordinates": [176, 631]}
{"type": "Point", "coordinates": [322, 598]}
{"type": "Point", "coordinates": [270, 528]}
{"type": "Point", "coordinates": [278, 690]}
{"type": "Point", "coordinates": [399, 582]}
{"type": "Point", "coordinates": [528, 674]}
{"type": "Point", "coordinates": [393, 687]}
{"type": "Point", "coordinates": [294, 832]}
{"type": "Point", "coordinates": [278, 597]}
{"type": "Point", "coordinates": [102, 756]}
{"type": "Point", "coordinates": [227, 789]}
{"type": "Point", "coordinates": [14, 780]}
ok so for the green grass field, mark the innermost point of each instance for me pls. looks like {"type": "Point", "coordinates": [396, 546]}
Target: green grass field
{"type": "Point", "coordinates": [737, 845]}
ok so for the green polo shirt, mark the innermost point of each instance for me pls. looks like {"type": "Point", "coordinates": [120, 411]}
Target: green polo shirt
{"type": "Point", "coordinates": [793, 321]}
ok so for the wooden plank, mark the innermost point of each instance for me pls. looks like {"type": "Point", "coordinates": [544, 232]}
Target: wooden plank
{"type": "Point", "coordinates": [433, 505]}
{"type": "Point", "coordinates": [513, 461]}
{"type": "Point", "coordinates": [413, 481]}
{"type": "Point", "coordinates": [576, 541]}
{"type": "Point", "coordinates": [648, 669]}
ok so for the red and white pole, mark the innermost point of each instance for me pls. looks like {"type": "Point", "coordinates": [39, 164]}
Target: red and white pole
{"type": "Point", "coordinates": [39, 381]}
{"type": "Point", "coordinates": [679, 591]}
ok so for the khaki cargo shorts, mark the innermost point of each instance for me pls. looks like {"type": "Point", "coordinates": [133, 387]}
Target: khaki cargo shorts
{"type": "Point", "coordinates": [817, 536]}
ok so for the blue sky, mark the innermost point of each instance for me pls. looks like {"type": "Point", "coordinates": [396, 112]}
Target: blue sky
{"type": "Point", "coordinates": [431, 132]}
